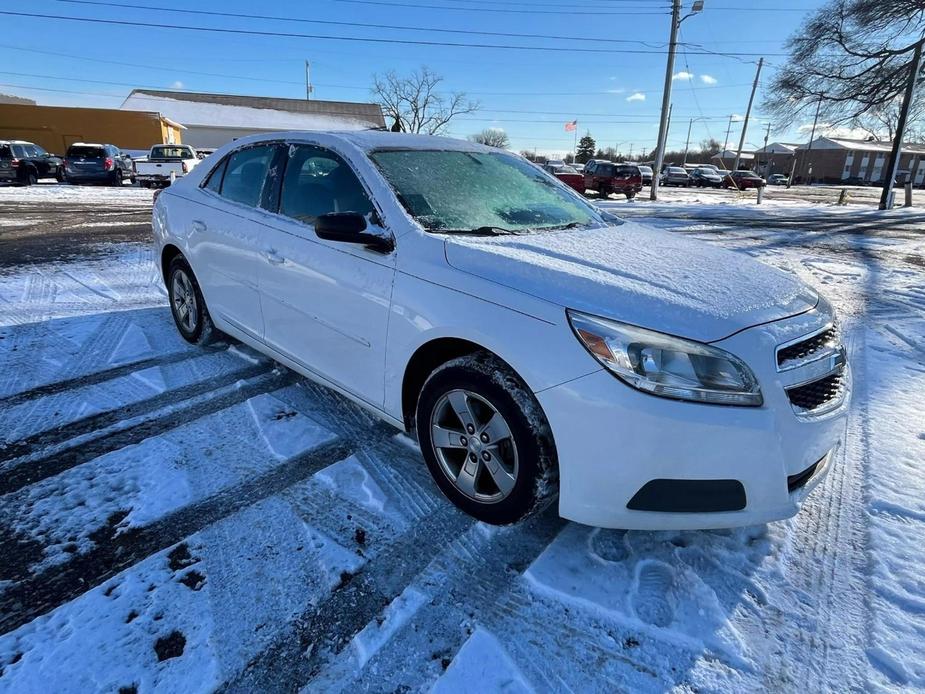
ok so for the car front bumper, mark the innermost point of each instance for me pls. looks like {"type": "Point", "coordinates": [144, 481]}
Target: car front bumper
{"type": "Point", "coordinates": [621, 450]}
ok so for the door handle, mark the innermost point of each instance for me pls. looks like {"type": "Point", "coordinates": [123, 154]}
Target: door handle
{"type": "Point", "coordinates": [197, 226]}
{"type": "Point", "coordinates": [273, 257]}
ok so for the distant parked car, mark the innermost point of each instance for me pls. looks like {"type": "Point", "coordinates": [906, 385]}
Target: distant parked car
{"type": "Point", "coordinates": [778, 180]}
{"type": "Point", "coordinates": [165, 162]}
{"type": "Point", "coordinates": [744, 179]}
{"type": "Point", "coordinates": [676, 176]}
{"type": "Point", "coordinates": [568, 175]}
{"type": "Point", "coordinates": [97, 163]}
{"type": "Point", "coordinates": [855, 181]}
{"type": "Point", "coordinates": [25, 163]}
{"type": "Point", "coordinates": [606, 178]}
{"type": "Point", "coordinates": [646, 172]}
{"type": "Point", "coordinates": [706, 177]}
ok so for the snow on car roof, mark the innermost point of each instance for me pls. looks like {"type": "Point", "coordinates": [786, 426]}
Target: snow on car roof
{"type": "Point", "coordinates": [369, 140]}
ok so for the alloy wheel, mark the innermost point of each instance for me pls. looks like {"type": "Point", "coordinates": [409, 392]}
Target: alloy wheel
{"type": "Point", "coordinates": [185, 308]}
{"type": "Point", "coordinates": [474, 446]}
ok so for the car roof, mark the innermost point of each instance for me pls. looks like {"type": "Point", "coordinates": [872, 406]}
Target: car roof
{"type": "Point", "coordinates": [370, 140]}
{"type": "Point", "coordinates": [85, 144]}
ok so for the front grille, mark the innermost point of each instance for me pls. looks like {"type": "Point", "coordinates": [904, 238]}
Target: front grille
{"type": "Point", "coordinates": [812, 396]}
{"type": "Point", "coordinates": [806, 348]}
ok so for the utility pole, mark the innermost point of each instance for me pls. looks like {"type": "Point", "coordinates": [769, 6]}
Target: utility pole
{"type": "Point", "coordinates": [728, 130]}
{"type": "Point", "coordinates": [767, 167]}
{"type": "Point", "coordinates": [748, 114]}
{"type": "Point", "coordinates": [631, 151]}
{"type": "Point", "coordinates": [666, 96]}
{"type": "Point", "coordinates": [886, 199]}
{"type": "Point", "coordinates": [308, 81]}
{"type": "Point", "coordinates": [812, 136]}
{"type": "Point", "coordinates": [687, 143]}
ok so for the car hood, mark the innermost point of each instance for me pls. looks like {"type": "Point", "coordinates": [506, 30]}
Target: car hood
{"type": "Point", "coordinates": [639, 275]}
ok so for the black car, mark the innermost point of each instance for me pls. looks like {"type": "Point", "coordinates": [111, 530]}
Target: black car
{"type": "Point", "coordinates": [25, 163]}
{"type": "Point", "coordinates": [704, 176]}
{"type": "Point", "coordinates": [97, 163]}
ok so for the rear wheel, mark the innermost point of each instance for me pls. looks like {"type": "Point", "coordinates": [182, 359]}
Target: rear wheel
{"type": "Point", "coordinates": [59, 175]}
{"type": "Point", "coordinates": [187, 305]}
{"type": "Point", "coordinates": [30, 178]}
{"type": "Point", "coordinates": [486, 440]}
{"type": "Point", "coordinates": [116, 178]}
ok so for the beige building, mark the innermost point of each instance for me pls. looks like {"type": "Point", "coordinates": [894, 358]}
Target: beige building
{"type": "Point", "coordinates": [211, 120]}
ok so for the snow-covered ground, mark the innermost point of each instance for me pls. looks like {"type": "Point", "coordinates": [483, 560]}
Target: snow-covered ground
{"type": "Point", "coordinates": [177, 519]}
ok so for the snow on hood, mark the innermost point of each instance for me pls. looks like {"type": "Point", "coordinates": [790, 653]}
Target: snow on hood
{"type": "Point", "coordinates": [638, 275]}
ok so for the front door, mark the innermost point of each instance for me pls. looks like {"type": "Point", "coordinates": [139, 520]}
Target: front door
{"type": "Point", "coordinates": [325, 303]}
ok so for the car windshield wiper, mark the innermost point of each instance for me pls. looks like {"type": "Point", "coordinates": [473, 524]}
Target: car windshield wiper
{"type": "Point", "coordinates": [479, 231]}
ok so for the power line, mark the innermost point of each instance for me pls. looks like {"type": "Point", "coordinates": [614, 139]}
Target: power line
{"type": "Point", "coordinates": [493, 9]}
{"type": "Point", "coordinates": [399, 27]}
{"type": "Point", "coordinates": [354, 39]}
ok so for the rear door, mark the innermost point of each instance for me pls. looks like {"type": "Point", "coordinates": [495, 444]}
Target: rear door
{"type": "Point", "coordinates": [227, 234]}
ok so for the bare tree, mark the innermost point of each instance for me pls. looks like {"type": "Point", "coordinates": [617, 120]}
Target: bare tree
{"type": "Point", "coordinates": [493, 137]}
{"type": "Point", "coordinates": [853, 58]}
{"type": "Point", "coordinates": [414, 104]}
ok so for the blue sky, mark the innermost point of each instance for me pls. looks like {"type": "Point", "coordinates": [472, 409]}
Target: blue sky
{"type": "Point", "coordinates": [530, 94]}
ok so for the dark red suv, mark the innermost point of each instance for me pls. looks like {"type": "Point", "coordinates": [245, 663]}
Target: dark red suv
{"type": "Point", "coordinates": [606, 177]}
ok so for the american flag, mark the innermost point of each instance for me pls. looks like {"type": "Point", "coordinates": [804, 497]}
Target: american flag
{"type": "Point", "coordinates": [571, 127]}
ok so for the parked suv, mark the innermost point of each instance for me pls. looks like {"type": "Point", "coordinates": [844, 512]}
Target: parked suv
{"type": "Point", "coordinates": [96, 163]}
{"type": "Point", "coordinates": [25, 163]}
{"type": "Point", "coordinates": [535, 345]}
{"type": "Point", "coordinates": [606, 178]}
{"type": "Point", "coordinates": [675, 176]}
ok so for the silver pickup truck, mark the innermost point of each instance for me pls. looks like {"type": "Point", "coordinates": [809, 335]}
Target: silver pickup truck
{"type": "Point", "coordinates": [164, 164]}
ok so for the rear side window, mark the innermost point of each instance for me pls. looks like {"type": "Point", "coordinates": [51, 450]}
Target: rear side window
{"type": "Point", "coordinates": [85, 152]}
{"type": "Point", "coordinates": [246, 173]}
{"type": "Point", "coordinates": [214, 183]}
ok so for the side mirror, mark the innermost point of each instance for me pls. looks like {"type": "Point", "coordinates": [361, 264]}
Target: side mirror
{"type": "Point", "coordinates": [350, 227]}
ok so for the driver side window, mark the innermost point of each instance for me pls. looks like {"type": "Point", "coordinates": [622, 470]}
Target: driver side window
{"type": "Point", "coordinates": [318, 182]}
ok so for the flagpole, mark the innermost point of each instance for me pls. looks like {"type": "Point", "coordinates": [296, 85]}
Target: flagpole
{"type": "Point", "coordinates": [575, 148]}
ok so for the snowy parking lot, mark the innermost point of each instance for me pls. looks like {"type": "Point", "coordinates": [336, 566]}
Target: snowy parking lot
{"type": "Point", "coordinates": [183, 519]}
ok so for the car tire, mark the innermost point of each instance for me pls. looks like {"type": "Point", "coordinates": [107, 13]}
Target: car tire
{"type": "Point", "coordinates": [502, 425]}
{"type": "Point", "coordinates": [194, 323]}
{"type": "Point", "coordinates": [630, 195]}
{"type": "Point", "coordinates": [116, 178]}
{"type": "Point", "coordinates": [60, 176]}
{"type": "Point", "coordinates": [30, 179]}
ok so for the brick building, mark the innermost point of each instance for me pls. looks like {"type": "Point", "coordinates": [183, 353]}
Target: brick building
{"type": "Point", "coordinates": [833, 160]}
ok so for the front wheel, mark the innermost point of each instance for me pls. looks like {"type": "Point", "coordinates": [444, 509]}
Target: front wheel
{"type": "Point", "coordinates": [486, 440]}
{"type": "Point", "coordinates": [187, 305]}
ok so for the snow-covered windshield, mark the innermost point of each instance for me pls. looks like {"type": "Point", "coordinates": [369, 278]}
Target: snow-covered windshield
{"type": "Point", "coordinates": [449, 191]}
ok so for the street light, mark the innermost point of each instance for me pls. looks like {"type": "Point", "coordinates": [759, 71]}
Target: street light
{"type": "Point", "coordinates": [676, 20]}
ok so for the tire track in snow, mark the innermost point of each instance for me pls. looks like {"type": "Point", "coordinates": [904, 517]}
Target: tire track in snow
{"type": "Point", "coordinates": [36, 443]}
{"type": "Point", "coordinates": [315, 638]}
{"type": "Point", "coordinates": [459, 589]}
{"type": "Point", "coordinates": [41, 593]}
{"type": "Point", "coordinates": [89, 443]}
{"type": "Point", "coordinates": [94, 378]}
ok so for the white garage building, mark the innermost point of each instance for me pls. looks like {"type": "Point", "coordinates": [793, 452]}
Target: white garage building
{"type": "Point", "coordinates": [211, 120]}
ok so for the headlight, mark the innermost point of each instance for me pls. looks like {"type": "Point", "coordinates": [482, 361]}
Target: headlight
{"type": "Point", "coordinates": [667, 366]}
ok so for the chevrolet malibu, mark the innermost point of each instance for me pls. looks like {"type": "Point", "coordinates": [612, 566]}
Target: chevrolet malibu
{"type": "Point", "coordinates": [537, 347]}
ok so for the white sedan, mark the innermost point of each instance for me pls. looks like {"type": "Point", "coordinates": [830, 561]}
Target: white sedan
{"type": "Point", "coordinates": [535, 346]}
